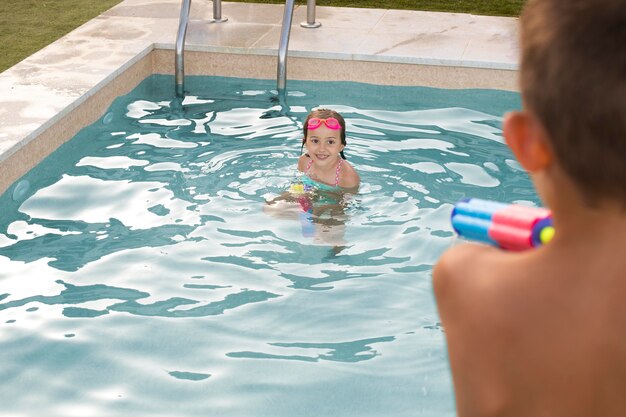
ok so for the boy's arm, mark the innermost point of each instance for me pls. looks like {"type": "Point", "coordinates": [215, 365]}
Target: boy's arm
{"type": "Point", "coordinates": [464, 299]}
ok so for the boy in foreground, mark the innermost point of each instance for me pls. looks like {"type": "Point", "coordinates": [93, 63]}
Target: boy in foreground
{"type": "Point", "coordinates": [543, 332]}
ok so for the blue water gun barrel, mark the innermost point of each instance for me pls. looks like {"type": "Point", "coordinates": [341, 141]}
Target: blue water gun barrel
{"type": "Point", "coordinates": [509, 226]}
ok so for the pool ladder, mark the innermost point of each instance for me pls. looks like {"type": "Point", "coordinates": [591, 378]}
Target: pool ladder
{"type": "Point", "coordinates": [281, 75]}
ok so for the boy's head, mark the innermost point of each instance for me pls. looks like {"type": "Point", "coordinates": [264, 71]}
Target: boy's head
{"type": "Point", "coordinates": [324, 114]}
{"type": "Point", "coordinates": [573, 79]}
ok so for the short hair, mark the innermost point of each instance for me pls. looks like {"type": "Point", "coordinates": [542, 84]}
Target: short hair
{"type": "Point", "coordinates": [325, 114]}
{"type": "Point", "coordinates": [573, 78]}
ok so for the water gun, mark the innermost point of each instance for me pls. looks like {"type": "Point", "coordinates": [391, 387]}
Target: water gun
{"type": "Point", "coordinates": [299, 190]}
{"type": "Point", "coordinates": [509, 226]}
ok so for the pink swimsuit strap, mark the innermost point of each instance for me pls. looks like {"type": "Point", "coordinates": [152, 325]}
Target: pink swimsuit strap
{"type": "Point", "coordinates": [308, 167]}
{"type": "Point", "coordinates": [337, 171]}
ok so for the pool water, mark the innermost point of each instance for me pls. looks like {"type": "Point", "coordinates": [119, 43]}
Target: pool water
{"type": "Point", "coordinates": [142, 274]}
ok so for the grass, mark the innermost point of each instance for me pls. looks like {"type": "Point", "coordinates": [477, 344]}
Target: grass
{"type": "Point", "coordinates": [485, 7]}
{"type": "Point", "coordinates": [26, 26]}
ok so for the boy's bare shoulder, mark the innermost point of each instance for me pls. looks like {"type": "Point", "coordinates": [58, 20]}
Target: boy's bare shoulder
{"type": "Point", "coordinates": [459, 264]}
{"type": "Point", "coordinates": [480, 280]}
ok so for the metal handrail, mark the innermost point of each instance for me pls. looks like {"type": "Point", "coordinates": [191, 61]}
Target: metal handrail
{"type": "Point", "coordinates": [179, 59]}
{"type": "Point", "coordinates": [310, 16]}
{"type": "Point", "coordinates": [283, 45]}
{"type": "Point", "coordinates": [217, 12]}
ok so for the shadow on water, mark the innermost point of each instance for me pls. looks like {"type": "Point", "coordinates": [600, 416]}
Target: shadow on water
{"type": "Point", "coordinates": [77, 294]}
{"type": "Point", "coordinates": [70, 252]}
{"type": "Point", "coordinates": [354, 351]}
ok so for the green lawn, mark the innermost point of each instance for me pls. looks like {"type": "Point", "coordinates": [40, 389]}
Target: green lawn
{"type": "Point", "coordinates": [486, 7]}
{"type": "Point", "coordinates": [26, 26]}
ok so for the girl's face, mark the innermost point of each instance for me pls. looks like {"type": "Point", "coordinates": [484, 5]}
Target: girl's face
{"type": "Point", "coordinates": [323, 145]}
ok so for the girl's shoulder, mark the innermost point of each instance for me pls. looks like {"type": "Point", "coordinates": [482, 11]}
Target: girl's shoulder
{"type": "Point", "coordinates": [349, 178]}
{"type": "Point", "coordinates": [303, 162]}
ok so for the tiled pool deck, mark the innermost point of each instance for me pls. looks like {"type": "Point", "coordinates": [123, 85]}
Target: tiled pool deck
{"type": "Point", "coordinates": [48, 97]}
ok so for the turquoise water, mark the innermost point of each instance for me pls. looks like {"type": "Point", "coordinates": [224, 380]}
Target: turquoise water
{"type": "Point", "coordinates": [141, 273]}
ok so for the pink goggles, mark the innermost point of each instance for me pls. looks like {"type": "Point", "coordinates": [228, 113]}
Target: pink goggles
{"type": "Point", "coordinates": [315, 122]}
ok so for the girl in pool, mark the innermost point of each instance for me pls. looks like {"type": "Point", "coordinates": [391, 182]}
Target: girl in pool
{"type": "Point", "coordinates": [324, 165]}
{"type": "Point", "coordinates": [318, 198]}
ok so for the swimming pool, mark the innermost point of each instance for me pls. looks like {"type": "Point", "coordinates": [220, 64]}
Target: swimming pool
{"type": "Point", "coordinates": [141, 276]}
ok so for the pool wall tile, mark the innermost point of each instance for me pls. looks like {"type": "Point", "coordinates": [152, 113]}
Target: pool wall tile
{"type": "Point", "coordinates": [65, 124]}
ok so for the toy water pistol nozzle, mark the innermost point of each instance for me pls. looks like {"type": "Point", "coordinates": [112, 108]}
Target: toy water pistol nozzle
{"type": "Point", "coordinates": [509, 226]}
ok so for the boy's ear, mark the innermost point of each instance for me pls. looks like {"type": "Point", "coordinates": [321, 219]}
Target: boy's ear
{"type": "Point", "coordinates": [527, 139]}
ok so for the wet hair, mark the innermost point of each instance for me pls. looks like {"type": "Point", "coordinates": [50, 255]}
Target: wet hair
{"type": "Point", "coordinates": [573, 79]}
{"type": "Point", "coordinates": [325, 114]}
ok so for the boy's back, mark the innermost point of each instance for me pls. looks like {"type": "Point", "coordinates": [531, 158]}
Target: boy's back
{"type": "Point", "coordinates": [535, 334]}
{"type": "Point", "coordinates": [543, 332]}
